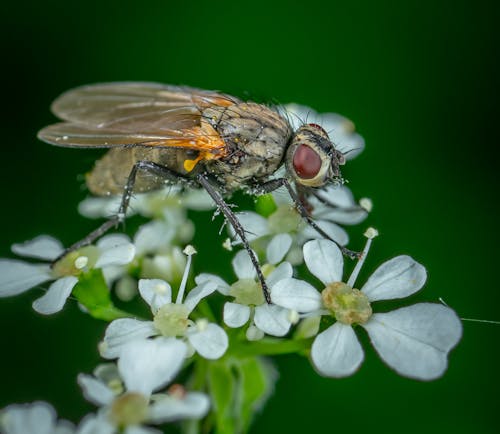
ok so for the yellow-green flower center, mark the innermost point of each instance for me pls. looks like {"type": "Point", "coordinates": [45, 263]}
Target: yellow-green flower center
{"type": "Point", "coordinates": [75, 263]}
{"type": "Point", "coordinates": [172, 320]}
{"type": "Point", "coordinates": [129, 409]}
{"type": "Point", "coordinates": [284, 219]}
{"type": "Point", "coordinates": [247, 292]}
{"type": "Point", "coordinates": [348, 305]}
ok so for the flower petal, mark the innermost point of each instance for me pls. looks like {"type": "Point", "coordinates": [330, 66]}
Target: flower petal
{"type": "Point", "coordinates": [122, 331]}
{"type": "Point", "coordinates": [254, 224]}
{"type": "Point", "coordinates": [272, 320]}
{"type": "Point", "coordinates": [278, 247]}
{"type": "Point", "coordinates": [336, 352]}
{"type": "Point", "coordinates": [97, 207]}
{"type": "Point", "coordinates": [96, 424]}
{"type": "Point", "coordinates": [34, 418]}
{"type": "Point", "coordinates": [41, 247]}
{"type": "Point", "coordinates": [222, 285]}
{"type": "Point", "coordinates": [17, 277]}
{"type": "Point", "coordinates": [153, 236]}
{"type": "Point", "coordinates": [55, 297]}
{"type": "Point", "coordinates": [297, 295]}
{"type": "Point", "coordinates": [194, 405]}
{"type": "Point", "coordinates": [146, 365]}
{"type": "Point", "coordinates": [210, 343]}
{"type": "Point", "coordinates": [155, 292]}
{"type": "Point", "coordinates": [95, 390]}
{"type": "Point", "coordinates": [399, 277]}
{"type": "Point", "coordinates": [137, 429]}
{"type": "Point", "coordinates": [324, 259]}
{"type": "Point", "coordinates": [115, 250]}
{"type": "Point", "coordinates": [415, 340]}
{"type": "Point", "coordinates": [198, 293]}
{"type": "Point", "coordinates": [282, 271]}
{"type": "Point", "coordinates": [335, 232]}
{"type": "Point", "coordinates": [235, 315]}
{"type": "Point", "coordinates": [243, 266]}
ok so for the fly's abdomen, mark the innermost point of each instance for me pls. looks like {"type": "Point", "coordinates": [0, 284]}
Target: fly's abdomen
{"type": "Point", "coordinates": [256, 138]}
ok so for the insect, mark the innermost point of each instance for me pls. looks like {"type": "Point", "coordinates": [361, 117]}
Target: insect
{"type": "Point", "coordinates": [161, 133]}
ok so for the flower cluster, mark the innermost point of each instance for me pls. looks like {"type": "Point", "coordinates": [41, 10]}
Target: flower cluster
{"type": "Point", "coordinates": [212, 329]}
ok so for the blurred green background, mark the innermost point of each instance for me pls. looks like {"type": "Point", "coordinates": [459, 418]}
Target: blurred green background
{"type": "Point", "coordinates": [419, 78]}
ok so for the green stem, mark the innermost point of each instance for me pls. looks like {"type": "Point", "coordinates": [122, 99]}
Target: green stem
{"type": "Point", "coordinates": [268, 347]}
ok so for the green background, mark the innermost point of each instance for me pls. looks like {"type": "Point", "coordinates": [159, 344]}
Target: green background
{"type": "Point", "coordinates": [419, 78]}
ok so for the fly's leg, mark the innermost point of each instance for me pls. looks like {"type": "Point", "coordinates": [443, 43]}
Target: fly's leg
{"type": "Point", "coordinates": [231, 217]}
{"type": "Point", "coordinates": [114, 221]}
{"type": "Point", "coordinates": [274, 184]}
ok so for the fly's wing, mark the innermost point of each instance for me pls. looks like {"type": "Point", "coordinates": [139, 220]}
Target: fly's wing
{"type": "Point", "coordinates": [140, 114]}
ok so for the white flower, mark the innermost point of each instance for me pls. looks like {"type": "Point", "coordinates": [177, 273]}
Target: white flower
{"type": "Point", "coordinates": [34, 418]}
{"type": "Point", "coordinates": [413, 340]}
{"type": "Point", "coordinates": [17, 276]}
{"type": "Point", "coordinates": [341, 130]}
{"type": "Point", "coordinates": [125, 394]}
{"type": "Point", "coordinates": [249, 302]}
{"type": "Point", "coordinates": [170, 319]}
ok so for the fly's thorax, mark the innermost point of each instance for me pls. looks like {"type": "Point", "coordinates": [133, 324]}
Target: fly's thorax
{"type": "Point", "coordinates": [311, 159]}
{"type": "Point", "coordinates": [256, 138]}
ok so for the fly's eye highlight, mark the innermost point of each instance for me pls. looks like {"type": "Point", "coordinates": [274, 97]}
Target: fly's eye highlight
{"type": "Point", "coordinates": [306, 162]}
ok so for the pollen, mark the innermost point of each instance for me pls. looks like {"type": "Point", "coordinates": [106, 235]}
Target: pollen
{"type": "Point", "coordinates": [348, 305]}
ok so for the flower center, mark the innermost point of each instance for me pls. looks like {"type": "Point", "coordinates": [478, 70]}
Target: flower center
{"type": "Point", "coordinates": [284, 219]}
{"type": "Point", "coordinates": [129, 409]}
{"type": "Point", "coordinates": [247, 292]}
{"type": "Point", "coordinates": [75, 263]}
{"type": "Point", "coordinates": [348, 305]}
{"type": "Point", "coordinates": [172, 320]}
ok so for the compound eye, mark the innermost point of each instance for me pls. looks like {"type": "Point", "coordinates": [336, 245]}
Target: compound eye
{"type": "Point", "coordinates": [306, 162]}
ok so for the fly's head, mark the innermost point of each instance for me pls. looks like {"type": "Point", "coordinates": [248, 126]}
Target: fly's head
{"type": "Point", "coordinates": [311, 158]}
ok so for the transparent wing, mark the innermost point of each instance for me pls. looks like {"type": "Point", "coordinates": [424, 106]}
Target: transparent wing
{"type": "Point", "coordinates": [103, 105]}
{"type": "Point", "coordinates": [121, 114]}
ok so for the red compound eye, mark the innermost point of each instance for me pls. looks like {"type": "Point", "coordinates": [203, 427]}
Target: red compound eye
{"type": "Point", "coordinates": [318, 127]}
{"type": "Point", "coordinates": [306, 162]}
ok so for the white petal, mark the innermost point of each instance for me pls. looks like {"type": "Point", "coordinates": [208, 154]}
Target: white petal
{"type": "Point", "coordinates": [211, 343]}
{"type": "Point", "coordinates": [64, 427]}
{"type": "Point", "coordinates": [42, 247]}
{"type": "Point", "coordinates": [324, 259]}
{"type": "Point", "coordinates": [136, 429]}
{"type": "Point", "coordinates": [243, 266]}
{"type": "Point", "coordinates": [335, 232]}
{"type": "Point", "coordinates": [336, 352]}
{"type": "Point", "coordinates": [254, 224]}
{"type": "Point", "coordinates": [198, 200]}
{"type": "Point", "coordinates": [97, 207]}
{"type": "Point", "coordinates": [111, 241]}
{"type": "Point", "coordinates": [153, 236]}
{"type": "Point", "coordinates": [198, 293]}
{"type": "Point", "coordinates": [115, 251]}
{"type": "Point", "coordinates": [282, 271]}
{"type": "Point", "coordinates": [235, 315]}
{"type": "Point", "coordinates": [415, 340]}
{"type": "Point", "coordinates": [155, 292]}
{"type": "Point", "coordinates": [122, 331]}
{"type": "Point", "coordinates": [35, 418]}
{"type": "Point", "coordinates": [278, 247]}
{"type": "Point", "coordinates": [194, 405]}
{"type": "Point", "coordinates": [272, 320]}
{"type": "Point", "coordinates": [396, 278]}
{"type": "Point", "coordinates": [296, 295]}
{"type": "Point", "coordinates": [222, 286]}
{"type": "Point", "coordinates": [146, 365]}
{"type": "Point", "coordinates": [55, 297]}
{"type": "Point", "coordinates": [17, 277]}
{"type": "Point", "coordinates": [338, 195]}
{"type": "Point", "coordinates": [95, 390]}
{"type": "Point", "coordinates": [96, 424]}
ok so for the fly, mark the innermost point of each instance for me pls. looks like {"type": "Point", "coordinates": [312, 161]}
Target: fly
{"type": "Point", "coordinates": [198, 138]}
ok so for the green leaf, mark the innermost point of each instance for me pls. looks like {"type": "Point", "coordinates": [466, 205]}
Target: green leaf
{"type": "Point", "coordinates": [222, 388]}
{"type": "Point", "coordinates": [256, 383]}
{"type": "Point", "coordinates": [92, 292]}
